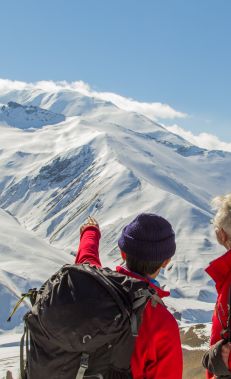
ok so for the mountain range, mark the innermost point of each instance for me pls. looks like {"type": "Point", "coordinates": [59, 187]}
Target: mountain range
{"type": "Point", "coordinates": [64, 156]}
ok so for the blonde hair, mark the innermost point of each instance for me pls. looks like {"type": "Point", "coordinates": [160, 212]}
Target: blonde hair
{"type": "Point", "coordinates": [222, 219]}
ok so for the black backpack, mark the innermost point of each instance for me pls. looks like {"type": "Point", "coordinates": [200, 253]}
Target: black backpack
{"type": "Point", "coordinates": [82, 324]}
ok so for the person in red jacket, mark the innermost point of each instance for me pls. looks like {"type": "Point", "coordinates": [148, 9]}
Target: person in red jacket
{"type": "Point", "coordinates": [218, 359]}
{"type": "Point", "coordinates": [146, 244]}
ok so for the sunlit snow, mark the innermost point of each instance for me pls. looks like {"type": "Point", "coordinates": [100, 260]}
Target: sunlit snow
{"type": "Point", "coordinates": [84, 156]}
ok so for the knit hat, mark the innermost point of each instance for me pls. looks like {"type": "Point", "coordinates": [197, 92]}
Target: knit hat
{"type": "Point", "coordinates": [149, 238]}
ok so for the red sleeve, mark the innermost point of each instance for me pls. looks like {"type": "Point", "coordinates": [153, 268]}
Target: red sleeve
{"type": "Point", "coordinates": [88, 251]}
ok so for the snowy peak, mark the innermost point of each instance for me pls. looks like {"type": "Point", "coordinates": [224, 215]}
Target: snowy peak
{"type": "Point", "coordinates": [28, 116]}
{"type": "Point", "coordinates": [63, 101]}
{"type": "Point", "coordinates": [70, 103]}
{"type": "Point", "coordinates": [110, 163]}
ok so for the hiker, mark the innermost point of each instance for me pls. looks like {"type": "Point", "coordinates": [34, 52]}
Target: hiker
{"type": "Point", "coordinates": [218, 359]}
{"type": "Point", "coordinates": [147, 244]}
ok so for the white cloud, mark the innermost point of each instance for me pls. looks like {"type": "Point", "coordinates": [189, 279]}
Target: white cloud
{"type": "Point", "coordinates": [204, 140]}
{"type": "Point", "coordinates": [9, 85]}
{"type": "Point", "coordinates": [152, 110]}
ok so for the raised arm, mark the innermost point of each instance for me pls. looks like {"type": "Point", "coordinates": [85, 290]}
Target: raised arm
{"type": "Point", "coordinates": [88, 251]}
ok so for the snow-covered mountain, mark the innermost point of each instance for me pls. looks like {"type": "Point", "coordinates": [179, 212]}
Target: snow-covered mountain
{"type": "Point", "coordinates": [27, 116]}
{"type": "Point", "coordinates": [77, 156]}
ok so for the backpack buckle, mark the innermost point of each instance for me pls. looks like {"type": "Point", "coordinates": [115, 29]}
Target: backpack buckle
{"type": "Point", "coordinates": [83, 366]}
{"type": "Point", "coordinates": [84, 360]}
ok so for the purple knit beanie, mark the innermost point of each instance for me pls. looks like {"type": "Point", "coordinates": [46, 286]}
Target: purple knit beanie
{"type": "Point", "coordinates": [149, 238]}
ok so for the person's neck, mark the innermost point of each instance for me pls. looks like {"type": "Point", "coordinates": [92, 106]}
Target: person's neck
{"type": "Point", "coordinates": [154, 275]}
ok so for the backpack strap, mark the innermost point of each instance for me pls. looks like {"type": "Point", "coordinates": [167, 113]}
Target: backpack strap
{"type": "Point", "coordinates": [22, 343]}
{"type": "Point", "coordinates": [141, 298]}
{"type": "Point", "coordinates": [84, 360]}
{"type": "Point", "coordinates": [143, 294]}
{"type": "Point", "coordinates": [157, 300]}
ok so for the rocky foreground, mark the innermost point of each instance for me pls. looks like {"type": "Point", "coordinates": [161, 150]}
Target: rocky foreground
{"type": "Point", "coordinates": [195, 341]}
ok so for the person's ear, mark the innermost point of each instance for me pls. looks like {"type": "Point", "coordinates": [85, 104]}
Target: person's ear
{"type": "Point", "coordinates": [222, 236]}
{"type": "Point", "coordinates": [166, 262]}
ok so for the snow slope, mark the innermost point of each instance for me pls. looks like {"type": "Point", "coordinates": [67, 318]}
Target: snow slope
{"type": "Point", "coordinates": [26, 117]}
{"type": "Point", "coordinates": [26, 262]}
{"type": "Point", "coordinates": [91, 157]}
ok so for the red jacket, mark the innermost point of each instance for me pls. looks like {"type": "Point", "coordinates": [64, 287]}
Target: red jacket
{"type": "Point", "coordinates": [157, 353]}
{"type": "Point", "coordinates": [220, 272]}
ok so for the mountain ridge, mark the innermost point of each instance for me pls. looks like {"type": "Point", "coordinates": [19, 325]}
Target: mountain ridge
{"type": "Point", "coordinates": [113, 164]}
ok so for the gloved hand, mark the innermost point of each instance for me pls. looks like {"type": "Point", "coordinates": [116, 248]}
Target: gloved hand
{"type": "Point", "coordinates": [216, 360]}
{"type": "Point", "coordinates": [90, 222]}
{"type": "Point", "coordinates": [225, 351]}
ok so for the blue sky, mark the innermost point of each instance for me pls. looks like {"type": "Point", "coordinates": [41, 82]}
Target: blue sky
{"type": "Point", "coordinates": [170, 51]}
